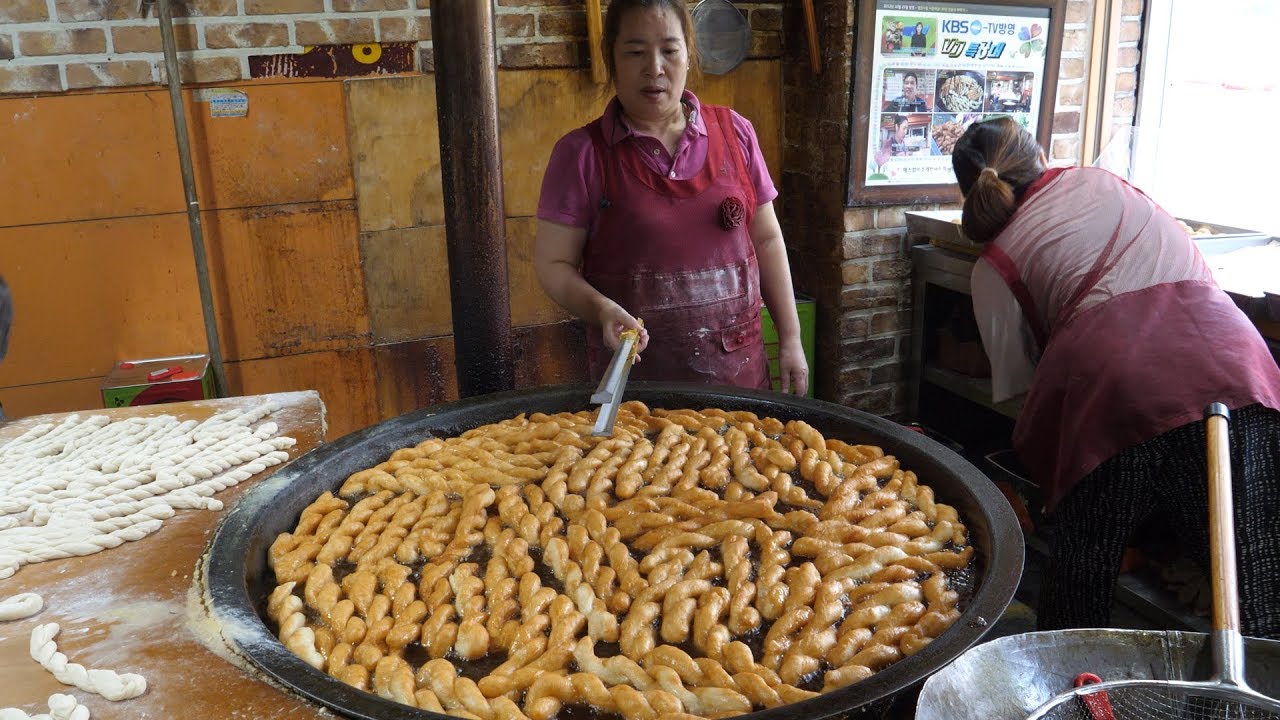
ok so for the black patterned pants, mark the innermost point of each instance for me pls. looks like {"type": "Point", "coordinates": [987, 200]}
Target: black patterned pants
{"type": "Point", "coordinates": [1167, 474]}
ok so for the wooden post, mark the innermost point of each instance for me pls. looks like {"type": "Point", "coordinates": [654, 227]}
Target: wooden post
{"type": "Point", "coordinates": [471, 177]}
{"type": "Point", "coordinates": [1107, 111]}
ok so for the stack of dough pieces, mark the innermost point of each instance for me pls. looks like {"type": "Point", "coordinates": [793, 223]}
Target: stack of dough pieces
{"type": "Point", "coordinates": [88, 484]}
{"type": "Point", "coordinates": [696, 564]}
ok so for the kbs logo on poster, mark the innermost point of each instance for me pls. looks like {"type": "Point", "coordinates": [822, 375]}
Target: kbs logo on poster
{"type": "Point", "coordinates": [962, 27]}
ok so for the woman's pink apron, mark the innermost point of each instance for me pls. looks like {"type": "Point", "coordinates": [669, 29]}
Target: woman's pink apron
{"type": "Point", "coordinates": [1130, 350]}
{"type": "Point", "coordinates": [660, 250]}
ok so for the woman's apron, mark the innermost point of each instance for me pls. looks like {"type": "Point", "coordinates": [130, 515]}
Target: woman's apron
{"type": "Point", "coordinates": [661, 249]}
{"type": "Point", "coordinates": [1130, 368]}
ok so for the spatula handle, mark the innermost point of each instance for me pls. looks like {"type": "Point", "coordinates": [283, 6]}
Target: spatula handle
{"type": "Point", "coordinates": [595, 29]}
{"type": "Point", "coordinates": [1222, 534]}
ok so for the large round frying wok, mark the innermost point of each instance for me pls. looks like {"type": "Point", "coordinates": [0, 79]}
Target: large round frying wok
{"type": "Point", "coordinates": [238, 578]}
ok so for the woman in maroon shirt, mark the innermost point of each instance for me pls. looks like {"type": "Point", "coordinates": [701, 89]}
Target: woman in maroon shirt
{"type": "Point", "coordinates": [1089, 281]}
{"type": "Point", "coordinates": [662, 209]}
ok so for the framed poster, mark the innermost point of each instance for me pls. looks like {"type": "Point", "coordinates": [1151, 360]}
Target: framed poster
{"type": "Point", "coordinates": [924, 70]}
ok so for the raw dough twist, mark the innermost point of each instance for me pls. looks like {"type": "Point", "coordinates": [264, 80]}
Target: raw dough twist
{"type": "Point", "coordinates": [61, 707]}
{"type": "Point", "coordinates": [22, 605]}
{"type": "Point", "coordinates": [88, 484]}
{"type": "Point", "coordinates": [107, 683]}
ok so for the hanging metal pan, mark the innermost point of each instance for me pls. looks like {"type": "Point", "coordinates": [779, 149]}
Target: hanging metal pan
{"type": "Point", "coordinates": [722, 34]}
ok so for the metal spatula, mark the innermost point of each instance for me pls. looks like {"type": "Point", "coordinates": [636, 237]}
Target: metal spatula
{"type": "Point", "coordinates": [608, 394]}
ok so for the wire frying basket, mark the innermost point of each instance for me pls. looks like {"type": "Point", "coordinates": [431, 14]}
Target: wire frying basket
{"type": "Point", "coordinates": [1157, 701]}
{"type": "Point", "coordinates": [1126, 674]}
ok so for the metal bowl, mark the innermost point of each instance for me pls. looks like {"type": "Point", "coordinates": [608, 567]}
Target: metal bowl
{"type": "Point", "coordinates": [239, 580]}
{"type": "Point", "coordinates": [1009, 677]}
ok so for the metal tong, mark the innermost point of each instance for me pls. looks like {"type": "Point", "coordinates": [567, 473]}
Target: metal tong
{"type": "Point", "coordinates": [608, 394]}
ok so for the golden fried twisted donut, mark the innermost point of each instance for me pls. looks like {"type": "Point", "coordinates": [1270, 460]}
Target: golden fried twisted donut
{"type": "Point", "coordinates": [286, 610]}
{"type": "Point", "coordinates": [600, 622]}
{"type": "Point", "coordinates": [292, 555]}
{"type": "Point", "coordinates": [772, 592]}
{"type": "Point", "coordinates": [437, 519]}
{"type": "Point", "coordinates": [533, 543]}
{"type": "Point", "coordinates": [510, 560]}
{"type": "Point", "coordinates": [460, 696]}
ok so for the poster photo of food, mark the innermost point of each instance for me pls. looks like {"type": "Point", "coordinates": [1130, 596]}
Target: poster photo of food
{"type": "Point", "coordinates": [961, 91]}
{"type": "Point", "coordinates": [915, 35]}
{"type": "Point", "coordinates": [1009, 92]}
{"type": "Point", "coordinates": [908, 90]}
{"type": "Point", "coordinates": [947, 129]}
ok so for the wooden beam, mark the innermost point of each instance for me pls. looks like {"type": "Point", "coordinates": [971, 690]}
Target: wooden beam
{"type": "Point", "coordinates": [1089, 147]}
{"type": "Point", "coordinates": [1112, 52]}
{"type": "Point", "coordinates": [811, 37]}
{"type": "Point", "coordinates": [1100, 94]}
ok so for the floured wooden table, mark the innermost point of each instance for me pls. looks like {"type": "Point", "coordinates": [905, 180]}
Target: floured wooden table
{"type": "Point", "coordinates": [132, 608]}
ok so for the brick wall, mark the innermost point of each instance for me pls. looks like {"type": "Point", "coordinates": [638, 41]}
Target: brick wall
{"type": "Point", "coordinates": [1068, 121]}
{"type": "Point", "coordinates": [58, 45]}
{"type": "Point", "coordinates": [1127, 57]}
{"type": "Point", "coordinates": [552, 33]}
{"type": "Point", "coordinates": [856, 261]}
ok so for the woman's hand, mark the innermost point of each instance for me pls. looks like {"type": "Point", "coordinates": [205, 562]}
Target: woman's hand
{"type": "Point", "coordinates": [614, 321]}
{"type": "Point", "coordinates": [793, 367]}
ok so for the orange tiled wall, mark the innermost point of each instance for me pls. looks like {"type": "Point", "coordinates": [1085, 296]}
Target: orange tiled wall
{"type": "Point", "coordinates": [322, 214]}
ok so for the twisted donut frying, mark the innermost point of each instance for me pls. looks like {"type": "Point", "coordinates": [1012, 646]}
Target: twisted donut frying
{"type": "Point", "coordinates": [694, 565]}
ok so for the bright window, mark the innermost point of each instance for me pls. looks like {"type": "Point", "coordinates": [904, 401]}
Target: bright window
{"type": "Point", "coordinates": [1207, 138]}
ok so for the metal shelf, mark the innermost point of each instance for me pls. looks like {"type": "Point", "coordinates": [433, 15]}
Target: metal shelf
{"type": "Point", "coordinates": [977, 390]}
{"type": "Point", "coordinates": [1157, 604]}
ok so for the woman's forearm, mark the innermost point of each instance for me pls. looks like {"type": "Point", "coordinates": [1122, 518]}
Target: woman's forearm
{"type": "Point", "coordinates": [779, 296]}
{"type": "Point", "coordinates": [564, 284]}
{"type": "Point", "coordinates": [557, 259]}
{"type": "Point", "coordinates": [775, 274]}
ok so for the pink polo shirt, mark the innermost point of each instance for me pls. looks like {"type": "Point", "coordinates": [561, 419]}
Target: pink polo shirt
{"type": "Point", "coordinates": [572, 186]}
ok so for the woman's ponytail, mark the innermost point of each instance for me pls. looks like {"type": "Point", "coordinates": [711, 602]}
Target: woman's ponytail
{"type": "Point", "coordinates": [995, 160]}
{"type": "Point", "coordinates": [987, 206]}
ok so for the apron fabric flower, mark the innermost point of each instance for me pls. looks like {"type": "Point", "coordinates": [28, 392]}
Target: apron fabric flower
{"type": "Point", "coordinates": [732, 213]}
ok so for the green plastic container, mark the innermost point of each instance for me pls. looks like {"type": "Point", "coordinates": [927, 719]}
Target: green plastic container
{"type": "Point", "coordinates": [807, 309]}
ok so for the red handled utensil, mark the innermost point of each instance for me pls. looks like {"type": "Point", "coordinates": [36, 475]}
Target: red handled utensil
{"type": "Point", "coordinates": [1098, 704]}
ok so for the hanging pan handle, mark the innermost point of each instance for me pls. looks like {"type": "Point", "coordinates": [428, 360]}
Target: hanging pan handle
{"type": "Point", "coordinates": [811, 35]}
{"type": "Point", "coordinates": [595, 29]}
{"type": "Point", "coordinates": [1222, 535]}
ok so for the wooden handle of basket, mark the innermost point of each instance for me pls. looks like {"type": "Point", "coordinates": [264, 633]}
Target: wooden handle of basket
{"type": "Point", "coordinates": [1222, 536]}
{"type": "Point", "coordinates": [595, 29]}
